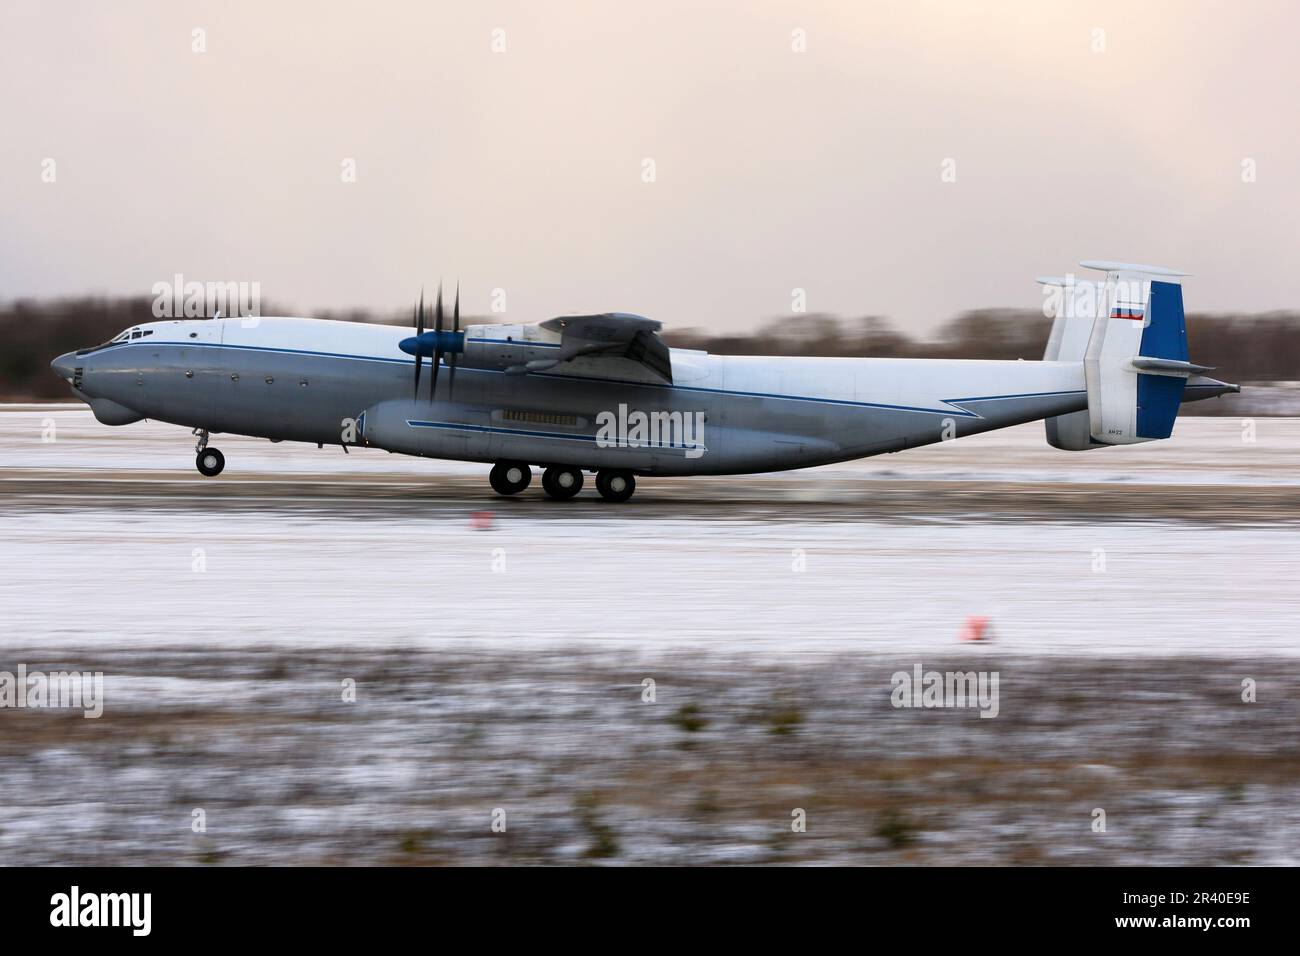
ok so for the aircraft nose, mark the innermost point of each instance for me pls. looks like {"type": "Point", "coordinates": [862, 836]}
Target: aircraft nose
{"type": "Point", "coordinates": [65, 365]}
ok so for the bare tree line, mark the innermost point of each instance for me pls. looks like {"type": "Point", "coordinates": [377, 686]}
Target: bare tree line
{"type": "Point", "coordinates": [1263, 347]}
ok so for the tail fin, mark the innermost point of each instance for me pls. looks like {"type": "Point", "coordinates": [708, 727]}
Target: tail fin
{"type": "Point", "coordinates": [1134, 358]}
{"type": "Point", "coordinates": [1076, 311]}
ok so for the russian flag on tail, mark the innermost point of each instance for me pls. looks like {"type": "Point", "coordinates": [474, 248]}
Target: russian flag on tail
{"type": "Point", "coordinates": [1123, 310]}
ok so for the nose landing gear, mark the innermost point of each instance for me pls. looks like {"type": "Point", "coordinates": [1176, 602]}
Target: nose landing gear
{"type": "Point", "coordinates": [209, 461]}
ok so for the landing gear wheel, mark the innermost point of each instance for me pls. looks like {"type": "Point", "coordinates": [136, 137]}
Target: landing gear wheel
{"type": "Point", "coordinates": [615, 485]}
{"type": "Point", "coordinates": [210, 462]}
{"type": "Point", "coordinates": [561, 483]}
{"type": "Point", "coordinates": [510, 477]}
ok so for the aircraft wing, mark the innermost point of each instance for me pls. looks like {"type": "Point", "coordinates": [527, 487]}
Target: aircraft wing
{"type": "Point", "coordinates": [612, 345]}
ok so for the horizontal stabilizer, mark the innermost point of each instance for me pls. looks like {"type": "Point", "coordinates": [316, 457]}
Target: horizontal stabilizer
{"type": "Point", "coordinates": [1102, 265]}
{"type": "Point", "coordinates": [1162, 366]}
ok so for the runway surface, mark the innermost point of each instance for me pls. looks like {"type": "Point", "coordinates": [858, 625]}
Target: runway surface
{"type": "Point", "coordinates": [498, 650]}
{"type": "Point", "coordinates": [1185, 548]}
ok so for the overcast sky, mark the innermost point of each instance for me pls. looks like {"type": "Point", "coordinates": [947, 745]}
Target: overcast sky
{"type": "Point", "coordinates": [1075, 130]}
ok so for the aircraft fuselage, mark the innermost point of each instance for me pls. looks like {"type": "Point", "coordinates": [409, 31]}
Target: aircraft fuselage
{"type": "Point", "coordinates": [348, 383]}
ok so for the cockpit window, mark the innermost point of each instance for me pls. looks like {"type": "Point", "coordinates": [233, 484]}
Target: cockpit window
{"type": "Point", "coordinates": [126, 336]}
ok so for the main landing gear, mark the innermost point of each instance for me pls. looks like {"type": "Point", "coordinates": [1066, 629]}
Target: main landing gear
{"type": "Point", "coordinates": [616, 486]}
{"type": "Point", "coordinates": [509, 477]}
{"type": "Point", "coordinates": [561, 482]}
{"type": "Point", "coordinates": [209, 461]}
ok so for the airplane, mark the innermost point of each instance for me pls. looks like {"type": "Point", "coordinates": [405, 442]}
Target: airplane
{"type": "Point", "coordinates": [603, 393]}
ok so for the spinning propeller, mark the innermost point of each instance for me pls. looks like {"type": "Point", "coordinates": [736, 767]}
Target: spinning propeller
{"type": "Point", "coordinates": [436, 343]}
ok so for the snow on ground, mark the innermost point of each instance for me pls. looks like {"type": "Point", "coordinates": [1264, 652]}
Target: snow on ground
{"type": "Point", "coordinates": [499, 652]}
